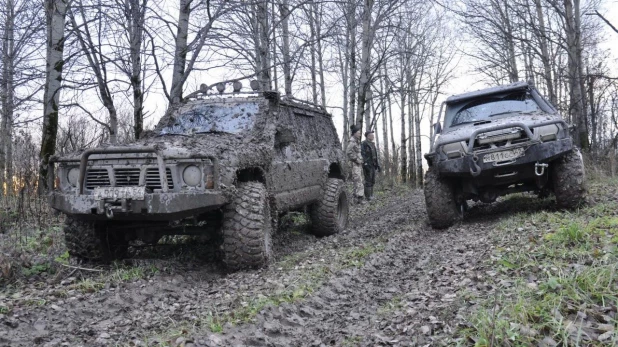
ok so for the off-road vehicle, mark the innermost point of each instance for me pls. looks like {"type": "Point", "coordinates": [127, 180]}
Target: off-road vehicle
{"type": "Point", "coordinates": [498, 141]}
{"type": "Point", "coordinates": [223, 165]}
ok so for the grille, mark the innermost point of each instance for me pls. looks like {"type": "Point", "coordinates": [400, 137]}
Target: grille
{"type": "Point", "coordinates": [128, 177]}
{"type": "Point", "coordinates": [153, 180]}
{"type": "Point", "coordinates": [97, 178]}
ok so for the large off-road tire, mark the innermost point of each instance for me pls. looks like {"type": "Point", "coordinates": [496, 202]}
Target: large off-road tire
{"type": "Point", "coordinates": [92, 241]}
{"type": "Point", "coordinates": [247, 228]}
{"type": "Point", "coordinates": [569, 180]}
{"type": "Point", "coordinates": [329, 216]}
{"type": "Point", "coordinates": [440, 201]}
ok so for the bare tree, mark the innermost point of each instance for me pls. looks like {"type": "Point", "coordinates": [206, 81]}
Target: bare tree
{"type": "Point", "coordinates": [56, 13]}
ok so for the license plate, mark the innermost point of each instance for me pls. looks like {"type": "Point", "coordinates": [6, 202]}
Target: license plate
{"type": "Point", "coordinates": [119, 193]}
{"type": "Point", "coordinates": [503, 156]}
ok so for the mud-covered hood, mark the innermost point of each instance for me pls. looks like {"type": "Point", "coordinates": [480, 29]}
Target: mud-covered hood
{"type": "Point", "coordinates": [464, 131]}
{"type": "Point", "coordinates": [199, 145]}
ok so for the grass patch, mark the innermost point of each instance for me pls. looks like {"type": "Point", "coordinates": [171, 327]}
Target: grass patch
{"type": "Point", "coordinates": [88, 286]}
{"type": "Point", "coordinates": [564, 269]}
{"type": "Point", "coordinates": [393, 305]}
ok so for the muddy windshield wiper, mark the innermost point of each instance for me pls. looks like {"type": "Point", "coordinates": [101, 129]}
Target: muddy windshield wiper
{"type": "Point", "coordinates": [501, 113]}
{"type": "Point", "coordinates": [466, 122]}
{"type": "Point", "coordinates": [173, 134]}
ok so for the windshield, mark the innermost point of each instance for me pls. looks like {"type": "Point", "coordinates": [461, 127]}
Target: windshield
{"type": "Point", "coordinates": [203, 118]}
{"type": "Point", "coordinates": [482, 109]}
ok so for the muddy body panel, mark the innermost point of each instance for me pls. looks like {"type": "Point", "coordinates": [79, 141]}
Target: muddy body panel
{"type": "Point", "coordinates": [198, 155]}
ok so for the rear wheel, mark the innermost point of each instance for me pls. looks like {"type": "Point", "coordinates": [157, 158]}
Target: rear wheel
{"type": "Point", "coordinates": [329, 216]}
{"type": "Point", "coordinates": [569, 180]}
{"type": "Point", "coordinates": [247, 228]}
{"type": "Point", "coordinates": [442, 208]}
{"type": "Point", "coordinates": [93, 241]}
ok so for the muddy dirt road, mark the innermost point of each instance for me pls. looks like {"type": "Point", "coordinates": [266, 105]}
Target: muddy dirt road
{"type": "Point", "coordinates": [388, 280]}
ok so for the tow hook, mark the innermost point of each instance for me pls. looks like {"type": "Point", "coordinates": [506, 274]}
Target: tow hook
{"type": "Point", "coordinates": [109, 213]}
{"type": "Point", "coordinates": [475, 169]}
{"type": "Point", "coordinates": [539, 168]}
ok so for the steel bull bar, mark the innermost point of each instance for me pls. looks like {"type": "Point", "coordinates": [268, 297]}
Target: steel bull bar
{"type": "Point", "coordinates": [475, 169]}
{"type": "Point", "coordinates": [104, 206]}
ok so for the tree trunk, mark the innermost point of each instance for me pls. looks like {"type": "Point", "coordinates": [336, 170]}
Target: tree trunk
{"type": "Point", "coordinates": [320, 55]}
{"type": "Point", "coordinates": [136, 12]}
{"type": "Point", "coordinates": [264, 27]}
{"type": "Point", "coordinates": [180, 52]}
{"type": "Point", "coordinates": [352, 50]}
{"type": "Point", "coordinates": [314, 81]}
{"type": "Point", "coordinates": [366, 43]}
{"type": "Point", "coordinates": [410, 149]}
{"type": "Point", "coordinates": [6, 98]}
{"type": "Point", "coordinates": [8, 102]}
{"type": "Point", "coordinates": [285, 51]}
{"type": "Point", "coordinates": [419, 152]}
{"type": "Point", "coordinates": [56, 13]}
{"type": "Point", "coordinates": [344, 64]}
{"type": "Point", "coordinates": [545, 53]}
{"type": "Point", "coordinates": [385, 162]}
{"type": "Point", "coordinates": [404, 148]}
{"type": "Point", "coordinates": [577, 111]}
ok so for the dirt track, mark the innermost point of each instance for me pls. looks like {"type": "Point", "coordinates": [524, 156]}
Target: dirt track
{"type": "Point", "coordinates": [389, 280]}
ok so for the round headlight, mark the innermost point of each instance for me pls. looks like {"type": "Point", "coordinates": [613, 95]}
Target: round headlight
{"type": "Point", "coordinates": [192, 175]}
{"type": "Point", "coordinates": [73, 176]}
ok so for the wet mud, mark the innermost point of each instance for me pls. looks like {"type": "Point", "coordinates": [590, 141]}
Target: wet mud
{"type": "Point", "coordinates": [388, 280]}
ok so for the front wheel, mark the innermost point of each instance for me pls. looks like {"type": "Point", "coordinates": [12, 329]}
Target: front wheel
{"type": "Point", "coordinates": [569, 180]}
{"type": "Point", "coordinates": [442, 207]}
{"type": "Point", "coordinates": [247, 228]}
{"type": "Point", "coordinates": [93, 241]}
{"type": "Point", "coordinates": [329, 216]}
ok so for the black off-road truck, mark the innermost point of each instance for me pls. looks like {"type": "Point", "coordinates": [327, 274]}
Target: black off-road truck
{"type": "Point", "coordinates": [498, 141]}
{"type": "Point", "coordinates": [221, 165]}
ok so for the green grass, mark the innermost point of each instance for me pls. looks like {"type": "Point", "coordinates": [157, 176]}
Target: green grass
{"type": "Point", "coordinates": [562, 263]}
{"type": "Point", "coordinates": [88, 286]}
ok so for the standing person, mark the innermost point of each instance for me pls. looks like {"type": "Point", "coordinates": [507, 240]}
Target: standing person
{"type": "Point", "coordinates": [353, 153]}
{"type": "Point", "coordinates": [370, 163]}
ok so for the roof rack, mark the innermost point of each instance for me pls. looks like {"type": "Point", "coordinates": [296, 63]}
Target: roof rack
{"type": "Point", "coordinates": [303, 102]}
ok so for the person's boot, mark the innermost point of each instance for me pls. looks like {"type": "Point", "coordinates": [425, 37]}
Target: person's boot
{"type": "Point", "coordinates": [368, 193]}
{"type": "Point", "coordinates": [371, 192]}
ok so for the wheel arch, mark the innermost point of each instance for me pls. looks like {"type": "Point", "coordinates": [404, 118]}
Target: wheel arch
{"type": "Point", "coordinates": [336, 171]}
{"type": "Point", "coordinates": [250, 174]}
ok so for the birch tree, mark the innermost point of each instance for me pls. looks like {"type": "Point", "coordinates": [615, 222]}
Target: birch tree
{"type": "Point", "coordinates": [55, 11]}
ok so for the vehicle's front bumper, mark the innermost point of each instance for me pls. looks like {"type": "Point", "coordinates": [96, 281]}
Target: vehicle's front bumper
{"type": "Point", "coordinates": [155, 206]}
{"type": "Point", "coordinates": [466, 165]}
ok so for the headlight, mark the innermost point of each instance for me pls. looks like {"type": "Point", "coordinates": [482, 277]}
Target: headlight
{"type": "Point", "coordinates": [454, 150]}
{"type": "Point", "coordinates": [547, 132]}
{"type": "Point", "coordinates": [192, 176]}
{"type": "Point", "coordinates": [73, 176]}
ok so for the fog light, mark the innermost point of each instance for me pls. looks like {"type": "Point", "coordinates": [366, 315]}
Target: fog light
{"type": "Point", "coordinates": [192, 176]}
{"type": "Point", "coordinates": [73, 176]}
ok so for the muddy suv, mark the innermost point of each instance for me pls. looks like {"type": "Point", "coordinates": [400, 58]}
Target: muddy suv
{"type": "Point", "coordinates": [498, 141]}
{"type": "Point", "coordinates": [222, 166]}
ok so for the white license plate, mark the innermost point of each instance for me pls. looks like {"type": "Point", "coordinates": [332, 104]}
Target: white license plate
{"type": "Point", "coordinates": [503, 156]}
{"type": "Point", "coordinates": [118, 193]}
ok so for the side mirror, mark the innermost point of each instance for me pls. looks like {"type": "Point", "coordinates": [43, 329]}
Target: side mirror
{"type": "Point", "coordinates": [284, 137]}
{"type": "Point", "coordinates": [437, 128]}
